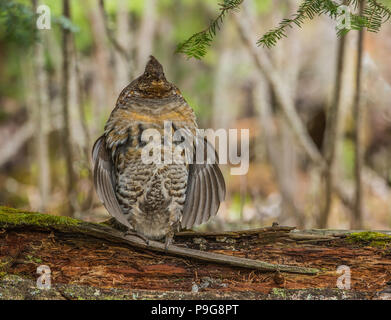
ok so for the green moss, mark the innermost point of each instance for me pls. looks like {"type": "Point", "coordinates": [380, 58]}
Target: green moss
{"type": "Point", "coordinates": [375, 239]}
{"type": "Point", "coordinates": [10, 217]}
{"type": "Point", "coordinates": [30, 258]}
{"type": "Point", "coordinates": [279, 292]}
{"type": "Point", "coordinates": [5, 263]}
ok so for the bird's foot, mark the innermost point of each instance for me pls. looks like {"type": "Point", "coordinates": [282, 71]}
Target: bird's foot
{"type": "Point", "coordinates": [136, 234]}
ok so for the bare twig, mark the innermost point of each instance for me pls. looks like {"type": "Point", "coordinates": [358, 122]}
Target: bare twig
{"type": "Point", "coordinates": [120, 49]}
{"type": "Point", "coordinates": [234, 234]}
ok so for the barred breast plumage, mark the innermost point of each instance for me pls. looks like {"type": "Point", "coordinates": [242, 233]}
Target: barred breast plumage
{"type": "Point", "coordinates": [155, 199]}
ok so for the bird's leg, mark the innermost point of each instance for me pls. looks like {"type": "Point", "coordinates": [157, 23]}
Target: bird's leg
{"type": "Point", "coordinates": [174, 227]}
{"type": "Point", "coordinates": [170, 234]}
{"type": "Point", "coordinates": [136, 234]}
{"type": "Point", "coordinates": [169, 238]}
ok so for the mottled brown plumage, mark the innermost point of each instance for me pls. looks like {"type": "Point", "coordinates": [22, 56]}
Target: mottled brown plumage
{"type": "Point", "coordinates": [153, 200]}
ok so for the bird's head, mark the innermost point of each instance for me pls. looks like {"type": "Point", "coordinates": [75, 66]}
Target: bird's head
{"type": "Point", "coordinates": [153, 83]}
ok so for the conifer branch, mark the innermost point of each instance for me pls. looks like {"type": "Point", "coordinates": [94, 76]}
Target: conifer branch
{"type": "Point", "coordinates": [196, 46]}
{"type": "Point", "coordinates": [372, 18]}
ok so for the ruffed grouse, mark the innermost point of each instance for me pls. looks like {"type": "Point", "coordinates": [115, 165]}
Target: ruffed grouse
{"type": "Point", "coordinates": [153, 200]}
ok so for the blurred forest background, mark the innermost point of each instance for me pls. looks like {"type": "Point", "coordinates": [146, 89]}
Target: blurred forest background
{"type": "Point", "coordinates": [58, 87]}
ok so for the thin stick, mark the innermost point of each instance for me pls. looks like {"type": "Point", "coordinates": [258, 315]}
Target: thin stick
{"type": "Point", "coordinates": [218, 258]}
{"type": "Point", "coordinates": [109, 33]}
{"type": "Point", "coordinates": [135, 241]}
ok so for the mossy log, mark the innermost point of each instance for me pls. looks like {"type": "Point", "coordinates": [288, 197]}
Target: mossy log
{"type": "Point", "coordinates": [94, 261]}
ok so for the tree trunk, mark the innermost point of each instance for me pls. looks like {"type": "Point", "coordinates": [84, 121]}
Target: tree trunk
{"type": "Point", "coordinates": [66, 133]}
{"type": "Point", "coordinates": [331, 136]}
{"type": "Point", "coordinates": [42, 120]}
{"type": "Point", "coordinates": [357, 217]}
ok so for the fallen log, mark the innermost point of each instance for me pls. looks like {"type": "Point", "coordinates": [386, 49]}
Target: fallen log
{"type": "Point", "coordinates": [267, 263]}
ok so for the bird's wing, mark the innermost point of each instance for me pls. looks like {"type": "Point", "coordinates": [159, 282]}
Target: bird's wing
{"type": "Point", "coordinates": [205, 188]}
{"type": "Point", "coordinates": [104, 181]}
